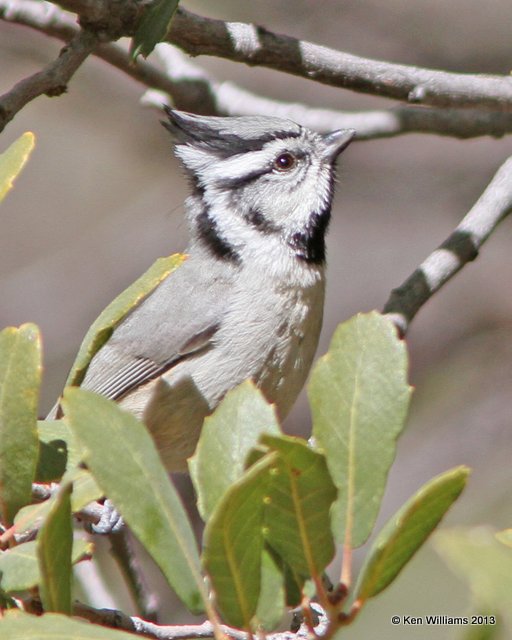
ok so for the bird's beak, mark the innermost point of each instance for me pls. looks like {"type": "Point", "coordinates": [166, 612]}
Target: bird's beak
{"type": "Point", "coordinates": [336, 142]}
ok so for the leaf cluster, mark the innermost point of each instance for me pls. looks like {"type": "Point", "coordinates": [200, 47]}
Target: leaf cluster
{"type": "Point", "coordinates": [274, 506]}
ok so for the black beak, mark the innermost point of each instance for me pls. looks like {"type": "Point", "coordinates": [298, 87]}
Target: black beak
{"type": "Point", "coordinates": [336, 142]}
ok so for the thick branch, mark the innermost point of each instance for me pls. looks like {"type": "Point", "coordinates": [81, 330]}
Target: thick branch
{"type": "Point", "coordinates": [194, 89]}
{"type": "Point", "coordinates": [461, 247]}
{"type": "Point", "coordinates": [52, 80]}
{"type": "Point", "coordinates": [226, 98]}
{"type": "Point", "coordinates": [255, 45]}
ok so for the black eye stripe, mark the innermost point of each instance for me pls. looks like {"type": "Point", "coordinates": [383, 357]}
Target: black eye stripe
{"type": "Point", "coordinates": [251, 176]}
{"type": "Point", "coordinates": [240, 181]}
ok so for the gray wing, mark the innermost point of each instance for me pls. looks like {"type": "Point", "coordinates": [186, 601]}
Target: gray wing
{"type": "Point", "coordinates": [180, 318]}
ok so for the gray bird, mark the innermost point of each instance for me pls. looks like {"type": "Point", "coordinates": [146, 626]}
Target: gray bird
{"type": "Point", "coordinates": [248, 300]}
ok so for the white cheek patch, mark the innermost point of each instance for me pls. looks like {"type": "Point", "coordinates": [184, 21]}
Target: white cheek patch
{"type": "Point", "coordinates": [308, 191]}
{"type": "Point", "coordinates": [210, 169]}
{"type": "Point", "coordinates": [241, 165]}
{"type": "Point", "coordinates": [195, 159]}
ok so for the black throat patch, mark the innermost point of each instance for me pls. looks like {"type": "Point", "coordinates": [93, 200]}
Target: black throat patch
{"type": "Point", "coordinates": [309, 244]}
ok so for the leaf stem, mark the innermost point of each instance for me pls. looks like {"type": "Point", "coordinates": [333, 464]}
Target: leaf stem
{"type": "Point", "coordinates": [215, 622]}
{"type": "Point", "coordinates": [307, 616]}
{"type": "Point", "coordinates": [347, 618]}
{"type": "Point", "coordinates": [346, 566]}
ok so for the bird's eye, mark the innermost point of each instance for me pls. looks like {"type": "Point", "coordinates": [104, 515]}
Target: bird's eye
{"type": "Point", "coordinates": [284, 162]}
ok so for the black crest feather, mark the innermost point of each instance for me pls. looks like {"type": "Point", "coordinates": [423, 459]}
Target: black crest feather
{"type": "Point", "coordinates": [227, 136]}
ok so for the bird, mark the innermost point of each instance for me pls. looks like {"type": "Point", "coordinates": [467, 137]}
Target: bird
{"type": "Point", "coordinates": [247, 303]}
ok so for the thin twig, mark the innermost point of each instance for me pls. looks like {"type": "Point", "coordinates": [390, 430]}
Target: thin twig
{"type": "Point", "coordinates": [122, 550]}
{"type": "Point", "coordinates": [51, 81]}
{"type": "Point", "coordinates": [92, 513]}
{"type": "Point", "coordinates": [461, 247]}
{"type": "Point", "coordinates": [41, 492]}
{"type": "Point", "coordinates": [119, 620]}
{"type": "Point", "coordinates": [128, 561]}
{"type": "Point", "coordinates": [52, 21]}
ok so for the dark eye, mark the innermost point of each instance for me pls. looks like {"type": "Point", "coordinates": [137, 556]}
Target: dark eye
{"type": "Point", "coordinates": [284, 162]}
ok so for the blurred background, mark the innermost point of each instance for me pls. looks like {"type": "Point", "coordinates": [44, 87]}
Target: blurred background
{"type": "Point", "coordinates": [102, 197]}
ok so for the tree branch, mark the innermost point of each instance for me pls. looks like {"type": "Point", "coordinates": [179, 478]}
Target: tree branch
{"type": "Point", "coordinates": [461, 247]}
{"type": "Point", "coordinates": [119, 620]}
{"type": "Point", "coordinates": [226, 98]}
{"type": "Point", "coordinates": [189, 85]}
{"type": "Point", "coordinates": [124, 553]}
{"type": "Point", "coordinates": [254, 45]}
{"type": "Point", "coordinates": [51, 80]}
{"type": "Point", "coordinates": [194, 89]}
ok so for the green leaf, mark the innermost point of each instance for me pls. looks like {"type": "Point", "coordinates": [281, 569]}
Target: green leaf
{"type": "Point", "coordinates": [233, 545]}
{"type": "Point", "coordinates": [85, 488]}
{"type": "Point", "coordinates": [297, 506]}
{"type": "Point", "coordinates": [51, 463]}
{"type": "Point", "coordinates": [19, 566]}
{"type": "Point", "coordinates": [226, 438]}
{"type": "Point", "coordinates": [295, 586]}
{"type": "Point", "coordinates": [102, 328]}
{"type": "Point", "coordinates": [31, 516]}
{"type": "Point", "coordinates": [131, 474]}
{"type": "Point", "coordinates": [505, 537]}
{"type": "Point", "coordinates": [13, 160]}
{"type": "Point", "coordinates": [483, 562]}
{"type": "Point", "coordinates": [20, 377]}
{"type": "Point", "coordinates": [283, 501]}
{"type": "Point", "coordinates": [153, 27]}
{"type": "Point", "coordinates": [271, 602]}
{"type": "Point", "coordinates": [17, 625]}
{"type": "Point", "coordinates": [58, 450]}
{"type": "Point", "coordinates": [54, 548]}
{"type": "Point", "coordinates": [85, 491]}
{"type": "Point", "coordinates": [407, 530]}
{"type": "Point", "coordinates": [359, 397]}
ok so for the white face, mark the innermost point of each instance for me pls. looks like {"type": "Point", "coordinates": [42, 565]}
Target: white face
{"type": "Point", "coordinates": [277, 185]}
{"type": "Point", "coordinates": [285, 181]}
{"type": "Point", "coordinates": [297, 182]}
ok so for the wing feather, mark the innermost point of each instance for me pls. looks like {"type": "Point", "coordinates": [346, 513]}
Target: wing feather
{"type": "Point", "coordinates": [179, 319]}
